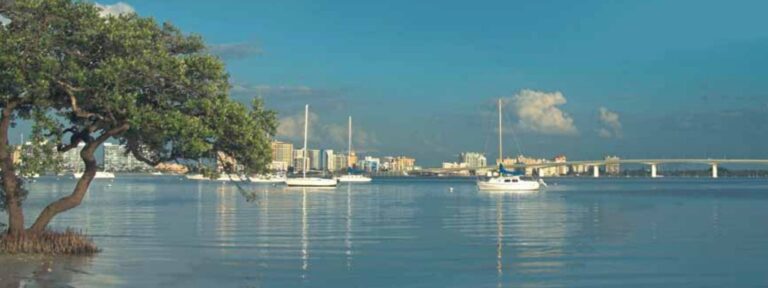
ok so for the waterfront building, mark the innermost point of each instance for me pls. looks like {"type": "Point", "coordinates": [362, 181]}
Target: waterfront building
{"type": "Point", "coordinates": [282, 152]}
{"type": "Point", "coordinates": [340, 162]}
{"type": "Point", "coordinates": [315, 159]}
{"type": "Point", "coordinates": [71, 161]}
{"type": "Point", "coordinates": [116, 160]}
{"type": "Point", "coordinates": [612, 166]}
{"type": "Point", "coordinates": [328, 161]}
{"type": "Point", "coordinates": [398, 164]}
{"type": "Point", "coordinates": [351, 158]}
{"type": "Point", "coordinates": [278, 166]}
{"type": "Point", "coordinates": [298, 160]}
{"type": "Point", "coordinates": [454, 165]}
{"type": "Point", "coordinates": [473, 159]}
{"type": "Point", "coordinates": [369, 164]}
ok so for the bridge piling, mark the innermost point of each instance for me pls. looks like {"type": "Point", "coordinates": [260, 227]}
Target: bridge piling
{"type": "Point", "coordinates": [596, 171]}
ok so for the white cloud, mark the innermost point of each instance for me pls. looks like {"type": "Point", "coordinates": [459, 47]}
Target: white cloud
{"type": "Point", "coordinates": [330, 136]}
{"type": "Point", "coordinates": [612, 124]}
{"type": "Point", "coordinates": [539, 112]}
{"type": "Point", "coordinates": [4, 21]}
{"type": "Point", "coordinates": [117, 9]}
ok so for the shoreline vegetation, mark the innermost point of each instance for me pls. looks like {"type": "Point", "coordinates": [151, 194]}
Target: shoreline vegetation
{"type": "Point", "coordinates": [48, 242]}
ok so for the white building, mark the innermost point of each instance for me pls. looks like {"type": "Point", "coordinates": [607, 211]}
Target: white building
{"type": "Point", "coordinates": [71, 160]}
{"type": "Point", "coordinates": [116, 160]}
{"type": "Point", "coordinates": [328, 161]}
{"type": "Point", "coordinates": [473, 159]}
{"type": "Point", "coordinates": [369, 164]}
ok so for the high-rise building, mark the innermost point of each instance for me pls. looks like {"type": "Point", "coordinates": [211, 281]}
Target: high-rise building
{"type": "Point", "coordinates": [315, 159]}
{"type": "Point", "coordinates": [369, 164]}
{"type": "Point", "coordinates": [351, 158]}
{"type": "Point", "coordinates": [612, 166]}
{"type": "Point", "coordinates": [399, 163]}
{"type": "Point", "coordinates": [328, 161]}
{"type": "Point", "coordinates": [473, 159]}
{"type": "Point", "coordinates": [340, 162]}
{"type": "Point", "coordinates": [282, 152]}
{"type": "Point", "coordinates": [71, 160]}
{"type": "Point", "coordinates": [298, 160]}
{"type": "Point", "coordinates": [116, 160]}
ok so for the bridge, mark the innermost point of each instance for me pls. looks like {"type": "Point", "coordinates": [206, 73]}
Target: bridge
{"type": "Point", "coordinates": [595, 164]}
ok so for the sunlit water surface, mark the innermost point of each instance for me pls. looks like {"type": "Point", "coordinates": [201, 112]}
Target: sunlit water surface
{"type": "Point", "coordinates": [169, 232]}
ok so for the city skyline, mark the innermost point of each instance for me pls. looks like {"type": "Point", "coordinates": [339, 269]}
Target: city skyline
{"type": "Point", "coordinates": [584, 79]}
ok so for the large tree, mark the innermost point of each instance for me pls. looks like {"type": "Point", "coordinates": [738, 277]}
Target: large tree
{"type": "Point", "coordinates": [82, 78]}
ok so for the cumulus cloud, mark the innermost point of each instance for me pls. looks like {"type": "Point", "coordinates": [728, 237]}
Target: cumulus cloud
{"type": "Point", "coordinates": [235, 50]}
{"type": "Point", "coordinates": [291, 128]}
{"type": "Point", "coordinates": [540, 112]}
{"type": "Point", "coordinates": [117, 9]}
{"type": "Point", "coordinates": [611, 124]}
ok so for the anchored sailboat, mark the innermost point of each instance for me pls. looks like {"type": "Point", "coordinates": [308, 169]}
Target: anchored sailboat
{"type": "Point", "coordinates": [305, 181]}
{"type": "Point", "coordinates": [507, 180]}
{"type": "Point", "coordinates": [350, 177]}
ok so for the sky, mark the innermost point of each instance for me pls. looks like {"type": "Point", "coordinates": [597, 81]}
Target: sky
{"type": "Point", "coordinates": [637, 79]}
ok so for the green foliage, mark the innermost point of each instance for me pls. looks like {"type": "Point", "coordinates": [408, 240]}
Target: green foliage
{"type": "Point", "coordinates": [80, 78]}
{"type": "Point", "coordinates": [83, 78]}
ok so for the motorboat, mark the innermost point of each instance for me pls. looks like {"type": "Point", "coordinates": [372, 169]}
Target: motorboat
{"type": "Point", "coordinates": [354, 178]}
{"type": "Point", "coordinates": [267, 178]}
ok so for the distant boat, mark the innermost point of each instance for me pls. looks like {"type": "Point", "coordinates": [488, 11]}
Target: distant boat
{"type": "Point", "coordinates": [507, 180]}
{"type": "Point", "coordinates": [99, 175]}
{"type": "Point", "coordinates": [305, 181]}
{"type": "Point", "coordinates": [157, 173]}
{"type": "Point", "coordinates": [267, 178]}
{"type": "Point", "coordinates": [222, 177]}
{"type": "Point", "coordinates": [352, 178]}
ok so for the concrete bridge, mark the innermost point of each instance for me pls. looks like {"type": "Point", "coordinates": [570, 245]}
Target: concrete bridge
{"type": "Point", "coordinates": [595, 164]}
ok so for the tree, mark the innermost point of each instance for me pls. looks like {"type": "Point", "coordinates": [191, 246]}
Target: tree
{"type": "Point", "coordinates": [81, 78]}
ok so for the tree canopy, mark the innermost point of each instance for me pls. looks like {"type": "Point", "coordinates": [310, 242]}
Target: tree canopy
{"type": "Point", "coordinates": [82, 78]}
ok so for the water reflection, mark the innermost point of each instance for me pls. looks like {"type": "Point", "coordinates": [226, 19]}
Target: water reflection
{"type": "Point", "coordinates": [165, 232]}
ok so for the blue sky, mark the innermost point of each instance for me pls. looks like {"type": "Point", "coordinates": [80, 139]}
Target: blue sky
{"type": "Point", "coordinates": [420, 78]}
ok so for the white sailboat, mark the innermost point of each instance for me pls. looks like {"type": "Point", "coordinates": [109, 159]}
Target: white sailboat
{"type": "Point", "coordinates": [99, 175]}
{"type": "Point", "coordinates": [349, 177]}
{"type": "Point", "coordinates": [507, 180]}
{"type": "Point", "coordinates": [268, 178]}
{"type": "Point", "coordinates": [305, 181]}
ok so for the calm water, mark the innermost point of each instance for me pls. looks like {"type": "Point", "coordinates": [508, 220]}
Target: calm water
{"type": "Point", "coordinates": [168, 232]}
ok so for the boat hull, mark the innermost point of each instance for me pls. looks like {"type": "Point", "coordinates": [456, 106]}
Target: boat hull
{"type": "Point", "coordinates": [354, 179]}
{"type": "Point", "coordinates": [508, 184]}
{"type": "Point", "coordinates": [311, 182]}
{"type": "Point", "coordinates": [99, 175]}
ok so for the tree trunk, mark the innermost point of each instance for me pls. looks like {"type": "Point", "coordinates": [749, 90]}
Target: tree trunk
{"type": "Point", "coordinates": [74, 199]}
{"type": "Point", "coordinates": [10, 180]}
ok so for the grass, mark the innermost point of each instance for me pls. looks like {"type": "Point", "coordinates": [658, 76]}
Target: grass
{"type": "Point", "coordinates": [68, 242]}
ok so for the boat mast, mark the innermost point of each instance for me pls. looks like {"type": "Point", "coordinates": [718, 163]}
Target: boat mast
{"type": "Point", "coordinates": [501, 158]}
{"type": "Point", "coordinates": [304, 151]}
{"type": "Point", "coordinates": [349, 136]}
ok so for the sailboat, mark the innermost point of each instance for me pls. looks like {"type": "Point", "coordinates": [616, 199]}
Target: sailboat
{"type": "Point", "coordinates": [507, 180]}
{"type": "Point", "coordinates": [305, 181]}
{"type": "Point", "coordinates": [349, 177]}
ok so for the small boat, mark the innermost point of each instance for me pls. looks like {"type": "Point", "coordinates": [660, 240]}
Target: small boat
{"type": "Point", "coordinates": [350, 177]}
{"type": "Point", "coordinates": [507, 180]}
{"type": "Point", "coordinates": [305, 181]}
{"type": "Point", "coordinates": [99, 175]}
{"type": "Point", "coordinates": [222, 177]}
{"type": "Point", "coordinates": [354, 178]}
{"type": "Point", "coordinates": [267, 178]}
{"type": "Point", "coordinates": [157, 173]}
